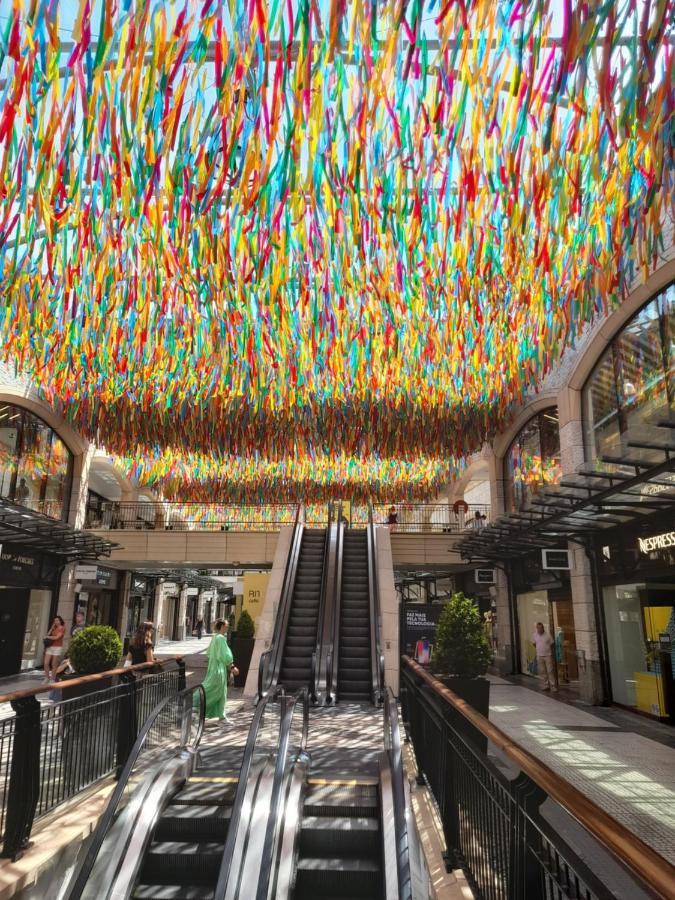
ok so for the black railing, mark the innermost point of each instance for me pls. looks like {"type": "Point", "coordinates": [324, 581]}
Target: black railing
{"type": "Point", "coordinates": [424, 518]}
{"type": "Point", "coordinates": [333, 649]}
{"type": "Point", "coordinates": [50, 753]}
{"type": "Point", "coordinates": [392, 746]}
{"type": "Point", "coordinates": [492, 824]}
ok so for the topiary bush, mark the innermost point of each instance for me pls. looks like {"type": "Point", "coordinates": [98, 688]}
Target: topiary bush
{"type": "Point", "coordinates": [96, 648]}
{"type": "Point", "coordinates": [461, 647]}
{"type": "Point", "coordinates": [245, 626]}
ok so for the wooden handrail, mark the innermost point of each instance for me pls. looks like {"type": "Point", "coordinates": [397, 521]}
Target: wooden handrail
{"type": "Point", "coordinates": [84, 679]}
{"type": "Point", "coordinates": [646, 864]}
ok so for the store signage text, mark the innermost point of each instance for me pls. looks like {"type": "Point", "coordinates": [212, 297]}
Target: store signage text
{"type": "Point", "coordinates": [657, 542]}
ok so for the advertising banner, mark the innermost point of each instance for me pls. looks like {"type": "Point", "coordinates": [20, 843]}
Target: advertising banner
{"type": "Point", "coordinates": [418, 630]}
{"type": "Point", "coordinates": [255, 587]}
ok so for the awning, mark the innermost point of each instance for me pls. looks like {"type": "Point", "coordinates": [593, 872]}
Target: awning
{"type": "Point", "coordinates": [190, 577]}
{"type": "Point", "coordinates": [619, 490]}
{"type": "Point", "coordinates": [19, 525]}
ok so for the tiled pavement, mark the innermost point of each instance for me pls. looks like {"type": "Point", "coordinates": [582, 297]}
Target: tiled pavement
{"type": "Point", "coordinates": [629, 775]}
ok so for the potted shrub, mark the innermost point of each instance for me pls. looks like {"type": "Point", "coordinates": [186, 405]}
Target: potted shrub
{"type": "Point", "coordinates": [242, 643]}
{"type": "Point", "coordinates": [461, 657]}
{"type": "Point", "coordinates": [97, 648]}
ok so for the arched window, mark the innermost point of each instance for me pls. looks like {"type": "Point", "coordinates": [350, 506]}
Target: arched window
{"type": "Point", "coordinates": [533, 459]}
{"type": "Point", "coordinates": [633, 382]}
{"type": "Point", "coordinates": [35, 465]}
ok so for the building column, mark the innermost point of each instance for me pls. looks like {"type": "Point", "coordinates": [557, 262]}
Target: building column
{"type": "Point", "coordinates": [123, 612]}
{"type": "Point", "coordinates": [180, 634]}
{"type": "Point", "coordinates": [503, 661]}
{"type": "Point", "coordinates": [581, 581]}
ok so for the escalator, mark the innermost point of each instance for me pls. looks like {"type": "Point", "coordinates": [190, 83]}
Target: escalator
{"type": "Point", "coordinates": [303, 620]}
{"type": "Point", "coordinates": [354, 669]}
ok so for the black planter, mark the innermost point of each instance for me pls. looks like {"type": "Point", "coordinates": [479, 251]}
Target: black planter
{"type": "Point", "coordinates": [242, 650]}
{"type": "Point", "coordinates": [476, 692]}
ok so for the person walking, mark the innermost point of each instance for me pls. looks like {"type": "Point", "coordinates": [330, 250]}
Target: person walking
{"type": "Point", "coordinates": [200, 628]}
{"type": "Point", "coordinates": [221, 664]}
{"type": "Point", "coordinates": [54, 647]}
{"type": "Point", "coordinates": [543, 643]}
{"type": "Point", "coordinates": [141, 648]}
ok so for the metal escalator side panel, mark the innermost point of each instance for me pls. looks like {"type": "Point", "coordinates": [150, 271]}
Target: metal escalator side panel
{"type": "Point", "coordinates": [283, 613]}
{"type": "Point", "coordinates": [395, 807]}
{"type": "Point", "coordinates": [121, 857]}
{"type": "Point", "coordinates": [249, 836]}
{"type": "Point", "coordinates": [325, 632]}
{"type": "Point", "coordinates": [376, 653]}
{"type": "Point", "coordinates": [282, 884]}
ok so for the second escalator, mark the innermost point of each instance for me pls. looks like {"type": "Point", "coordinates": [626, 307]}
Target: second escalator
{"type": "Point", "coordinates": [296, 663]}
{"type": "Point", "coordinates": [354, 671]}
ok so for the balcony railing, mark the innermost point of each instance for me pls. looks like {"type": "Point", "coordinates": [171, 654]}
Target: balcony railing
{"type": "Point", "coordinates": [51, 752]}
{"type": "Point", "coordinates": [424, 517]}
{"type": "Point", "coordinates": [163, 516]}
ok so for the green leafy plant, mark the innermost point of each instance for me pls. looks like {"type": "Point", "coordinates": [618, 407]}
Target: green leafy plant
{"type": "Point", "coordinates": [245, 626]}
{"type": "Point", "coordinates": [461, 646]}
{"type": "Point", "coordinates": [96, 648]}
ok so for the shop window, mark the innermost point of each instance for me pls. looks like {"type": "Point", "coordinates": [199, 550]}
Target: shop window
{"type": "Point", "coordinates": [35, 464]}
{"type": "Point", "coordinates": [633, 384]}
{"type": "Point", "coordinates": [533, 460]}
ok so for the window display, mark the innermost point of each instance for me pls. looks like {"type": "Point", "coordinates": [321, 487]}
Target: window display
{"type": "Point", "coordinates": [633, 384]}
{"type": "Point", "coordinates": [533, 460]}
{"type": "Point", "coordinates": [35, 464]}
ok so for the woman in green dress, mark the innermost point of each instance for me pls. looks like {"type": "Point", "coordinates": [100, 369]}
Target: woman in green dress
{"type": "Point", "coordinates": [221, 663]}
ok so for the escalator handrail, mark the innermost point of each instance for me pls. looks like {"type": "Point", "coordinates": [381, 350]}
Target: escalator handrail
{"type": "Point", "coordinates": [276, 651]}
{"type": "Point", "coordinates": [334, 646]}
{"type": "Point", "coordinates": [275, 822]}
{"type": "Point", "coordinates": [316, 655]}
{"type": "Point", "coordinates": [376, 654]}
{"type": "Point", "coordinates": [84, 871]}
{"type": "Point", "coordinates": [244, 772]}
{"type": "Point", "coordinates": [392, 745]}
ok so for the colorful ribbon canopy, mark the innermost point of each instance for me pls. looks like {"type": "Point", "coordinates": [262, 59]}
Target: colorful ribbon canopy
{"type": "Point", "coordinates": [307, 231]}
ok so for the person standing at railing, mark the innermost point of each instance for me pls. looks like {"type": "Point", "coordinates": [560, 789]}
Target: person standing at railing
{"type": "Point", "coordinates": [141, 649]}
{"type": "Point", "coordinates": [221, 666]}
{"type": "Point", "coordinates": [543, 643]}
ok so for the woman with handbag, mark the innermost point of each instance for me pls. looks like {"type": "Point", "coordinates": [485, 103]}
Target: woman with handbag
{"type": "Point", "coordinates": [54, 647]}
{"type": "Point", "coordinates": [221, 668]}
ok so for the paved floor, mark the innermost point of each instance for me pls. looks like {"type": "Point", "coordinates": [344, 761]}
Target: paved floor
{"type": "Point", "coordinates": [629, 775]}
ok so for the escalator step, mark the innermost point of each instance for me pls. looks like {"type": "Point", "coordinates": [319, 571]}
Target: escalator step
{"type": "Point", "coordinates": [338, 877]}
{"type": "Point", "coordinates": [353, 697]}
{"type": "Point", "coordinates": [359, 801]}
{"type": "Point", "coordinates": [189, 862]}
{"type": "Point", "coordinates": [192, 823]}
{"type": "Point", "coordinates": [206, 793]}
{"type": "Point", "coordinates": [347, 632]}
{"type": "Point", "coordinates": [355, 664]}
{"type": "Point", "coordinates": [173, 892]}
{"type": "Point", "coordinates": [339, 836]}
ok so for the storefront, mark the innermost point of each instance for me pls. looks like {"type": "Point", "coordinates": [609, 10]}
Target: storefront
{"type": "Point", "coordinates": [28, 584]}
{"type": "Point", "coordinates": [96, 595]}
{"type": "Point", "coordinates": [637, 582]}
{"type": "Point", "coordinates": [545, 596]}
{"type": "Point", "coordinates": [141, 602]}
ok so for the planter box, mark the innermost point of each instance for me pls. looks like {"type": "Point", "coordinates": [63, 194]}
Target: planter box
{"type": "Point", "coordinates": [242, 650]}
{"type": "Point", "coordinates": [476, 692]}
{"type": "Point", "coordinates": [82, 690]}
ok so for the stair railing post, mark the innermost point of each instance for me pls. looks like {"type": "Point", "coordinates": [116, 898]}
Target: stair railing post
{"type": "Point", "coordinates": [181, 675]}
{"type": "Point", "coordinates": [127, 723]}
{"type": "Point", "coordinates": [524, 868]}
{"type": "Point", "coordinates": [24, 777]}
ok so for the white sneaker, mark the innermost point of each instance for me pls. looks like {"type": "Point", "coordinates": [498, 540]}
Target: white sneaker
{"type": "Point", "coordinates": [227, 720]}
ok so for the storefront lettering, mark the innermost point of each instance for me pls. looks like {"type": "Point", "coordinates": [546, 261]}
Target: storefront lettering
{"type": "Point", "coordinates": [657, 542]}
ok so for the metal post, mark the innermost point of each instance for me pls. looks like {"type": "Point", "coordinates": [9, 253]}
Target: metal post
{"type": "Point", "coordinates": [127, 723]}
{"type": "Point", "coordinates": [24, 777]}
{"type": "Point", "coordinates": [525, 877]}
{"type": "Point", "coordinates": [181, 675]}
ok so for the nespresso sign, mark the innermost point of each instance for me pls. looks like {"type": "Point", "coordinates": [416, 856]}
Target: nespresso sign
{"type": "Point", "coordinates": [657, 542]}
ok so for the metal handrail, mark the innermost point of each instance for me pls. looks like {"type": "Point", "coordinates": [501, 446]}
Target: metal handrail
{"type": "Point", "coordinates": [376, 654]}
{"type": "Point", "coordinates": [84, 871]}
{"type": "Point", "coordinates": [334, 646]}
{"type": "Point", "coordinates": [392, 744]}
{"type": "Point", "coordinates": [237, 807]}
{"type": "Point", "coordinates": [276, 650]}
{"type": "Point", "coordinates": [316, 655]}
{"type": "Point", "coordinates": [651, 869]}
{"type": "Point", "coordinates": [274, 821]}
{"type": "Point", "coordinates": [84, 679]}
